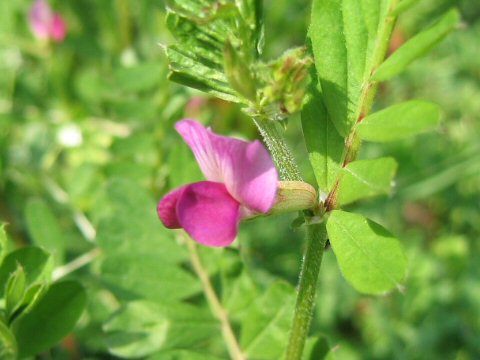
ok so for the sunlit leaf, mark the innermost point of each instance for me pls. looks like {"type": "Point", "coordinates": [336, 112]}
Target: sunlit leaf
{"type": "Point", "coordinates": [316, 348]}
{"type": "Point", "coordinates": [44, 228]}
{"type": "Point", "coordinates": [141, 77]}
{"type": "Point", "coordinates": [335, 27]}
{"type": "Point", "coordinates": [134, 243]}
{"type": "Point", "coordinates": [133, 279]}
{"type": "Point", "coordinates": [417, 46]}
{"type": "Point", "coordinates": [143, 328]}
{"type": "Point", "coordinates": [8, 344]}
{"type": "Point", "coordinates": [184, 168]}
{"type": "Point", "coordinates": [400, 121]}
{"type": "Point", "coordinates": [184, 355]}
{"type": "Point", "coordinates": [371, 259]}
{"type": "Point", "coordinates": [324, 144]}
{"type": "Point", "coordinates": [3, 242]}
{"type": "Point", "coordinates": [404, 5]}
{"type": "Point", "coordinates": [35, 262]}
{"type": "Point", "coordinates": [51, 319]}
{"type": "Point", "coordinates": [15, 290]}
{"type": "Point", "coordinates": [265, 327]}
{"type": "Point", "coordinates": [187, 69]}
{"type": "Point", "coordinates": [366, 178]}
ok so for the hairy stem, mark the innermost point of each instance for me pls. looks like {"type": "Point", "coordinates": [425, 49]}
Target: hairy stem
{"type": "Point", "coordinates": [316, 240]}
{"type": "Point", "coordinates": [217, 309]}
{"type": "Point", "coordinates": [281, 154]}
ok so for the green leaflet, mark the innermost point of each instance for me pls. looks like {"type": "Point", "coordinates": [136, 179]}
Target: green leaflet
{"type": "Point", "coordinates": [265, 326]}
{"type": "Point", "coordinates": [366, 178]}
{"type": "Point", "coordinates": [3, 242]}
{"type": "Point", "coordinates": [50, 319]}
{"type": "Point", "coordinates": [36, 263]}
{"type": "Point", "coordinates": [44, 228]}
{"type": "Point", "coordinates": [15, 291]}
{"type": "Point", "coordinates": [404, 5]}
{"type": "Point", "coordinates": [133, 232]}
{"type": "Point", "coordinates": [8, 344]}
{"type": "Point", "coordinates": [238, 73]}
{"type": "Point", "coordinates": [142, 328]}
{"type": "Point", "coordinates": [202, 30]}
{"type": "Point", "coordinates": [183, 355]}
{"type": "Point", "coordinates": [188, 69]}
{"type": "Point", "coordinates": [317, 348]}
{"type": "Point", "coordinates": [335, 27]}
{"type": "Point", "coordinates": [400, 121]}
{"type": "Point", "coordinates": [371, 259]}
{"type": "Point", "coordinates": [324, 144]}
{"type": "Point", "coordinates": [417, 46]}
{"type": "Point", "coordinates": [183, 167]}
{"type": "Point", "coordinates": [142, 77]}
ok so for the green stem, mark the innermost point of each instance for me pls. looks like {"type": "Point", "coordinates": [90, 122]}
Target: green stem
{"type": "Point", "coordinates": [316, 240]}
{"type": "Point", "coordinates": [76, 264]}
{"type": "Point", "coordinates": [216, 307]}
{"type": "Point", "coordinates": [283, 158]}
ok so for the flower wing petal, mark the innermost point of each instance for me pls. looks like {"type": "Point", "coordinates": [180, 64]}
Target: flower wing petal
{"type": "Point", "coordinates": [208, 213]}
{"type": "Point", "coordinates": [167, 208]}
{"type": "Point", "coordinates": [41, 17]}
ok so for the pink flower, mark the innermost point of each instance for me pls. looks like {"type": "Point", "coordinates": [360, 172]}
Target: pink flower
{"type": "Point", "coordinates": [242, 180]}
{"type": "Point", "coordinates": [45, 23]}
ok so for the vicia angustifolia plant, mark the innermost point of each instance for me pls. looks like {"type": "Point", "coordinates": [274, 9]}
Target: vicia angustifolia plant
{"type": "Point", "coordinates": [224, 179]}
{"type": "Point", "coordinates": [332, 81]}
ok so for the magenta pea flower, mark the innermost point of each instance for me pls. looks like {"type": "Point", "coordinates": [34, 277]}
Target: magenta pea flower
{"type": "Point", "coordinates": [241, 181]}
{"type": "Point", "coordinates": [45, 23]}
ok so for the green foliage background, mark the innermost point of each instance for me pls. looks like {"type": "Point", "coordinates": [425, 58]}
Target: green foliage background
{"type": "Point", "coordinates": [107, 82]}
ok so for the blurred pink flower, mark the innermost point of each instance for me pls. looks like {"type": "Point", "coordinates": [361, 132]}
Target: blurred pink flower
{"type": "Point", "coordinates": [46, 24]}
{"type": "Point", "coordinates": [241, 180]}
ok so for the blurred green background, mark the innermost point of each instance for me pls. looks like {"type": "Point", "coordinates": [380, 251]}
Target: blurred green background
{"type": "Point", "coordinates": [98, 108]}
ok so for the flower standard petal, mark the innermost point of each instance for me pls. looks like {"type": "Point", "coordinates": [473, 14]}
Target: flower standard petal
{"type": "Point", "coordinates": [208, 213]}
{"type": "Point", "coordinates": [41, 17]}
{"type": "Point", "coordinates": [198, 138]}
{"type": "Point", "coordinates": [245, 168]}
{"type": "Point", "coordinates": [249, 173]}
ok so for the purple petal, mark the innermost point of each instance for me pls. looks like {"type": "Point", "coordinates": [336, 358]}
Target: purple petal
{"type": "Point", "coordinates": [198, 138]}
{"type": "Point", "coordinates": [249, 174]}
{"type": "Point", "coordinates": [41, 17]}
{"type": "Point", "coordinates": [58, 28]}
{"type": "Point", "coordinates": [245, 168]}
{"type": "Point", "coordinates": [208, 213]}
{"type": "Point", "coordinates": [167, 208]}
